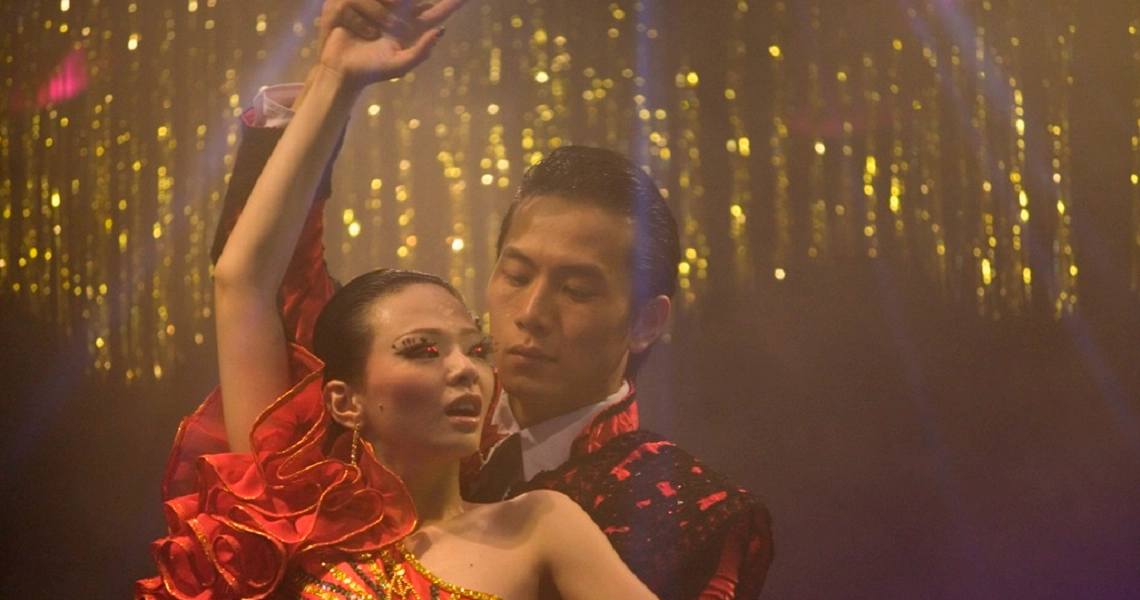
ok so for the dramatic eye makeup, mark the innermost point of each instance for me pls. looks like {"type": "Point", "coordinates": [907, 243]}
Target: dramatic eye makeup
{"type": "Point", "coordinates": [482, 348]}
{"type": "Point", "coordinates": [419, 345]}
{"type": "Point", "coordinates": [414, 346]}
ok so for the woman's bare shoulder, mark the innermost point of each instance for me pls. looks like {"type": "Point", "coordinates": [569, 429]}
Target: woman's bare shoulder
{"type": "Point", "coordinates": [544, 501]}
{"type": "Point", "coordinates": [542, 497]}
{"type": "Point", "coordinates": [533, 508]}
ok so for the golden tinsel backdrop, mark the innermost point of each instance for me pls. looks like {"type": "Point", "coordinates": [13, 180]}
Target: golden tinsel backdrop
{"type": "Point", "coordinates": [931, 134]}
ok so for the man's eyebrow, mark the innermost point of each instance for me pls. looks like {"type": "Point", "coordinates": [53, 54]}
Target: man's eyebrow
{"type": "Point", "coordinates": [589, 270]}
{"type": "Point", "coordinates": [512, 253]}
{"type": "Point", "coordinates": [586, 270]}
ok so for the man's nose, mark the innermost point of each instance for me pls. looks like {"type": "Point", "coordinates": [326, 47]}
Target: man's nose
{"type": "Point", "coordinates": [533, 314]}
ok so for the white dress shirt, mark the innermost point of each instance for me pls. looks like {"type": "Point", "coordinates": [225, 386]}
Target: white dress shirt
{"type": "Point", "coordinates": [546, 445]}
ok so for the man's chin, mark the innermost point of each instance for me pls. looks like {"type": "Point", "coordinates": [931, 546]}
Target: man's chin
{"type": "Point", "coordinates": [519, 385]}
{"type": "Point", "coordinates": [539, 400]}
{"type": "Point", "coordinates": [528, 387]}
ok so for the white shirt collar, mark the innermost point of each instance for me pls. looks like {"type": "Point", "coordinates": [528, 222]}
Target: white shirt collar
{"type": "Point", "coordinates": [546, 445]}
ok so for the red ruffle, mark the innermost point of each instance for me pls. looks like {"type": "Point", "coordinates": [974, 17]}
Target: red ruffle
{"type": "Point", "coordinates": [247, 519]}
{"type": "Point", "coordinates": [305, 290]}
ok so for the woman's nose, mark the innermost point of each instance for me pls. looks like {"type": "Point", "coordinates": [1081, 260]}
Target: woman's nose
{"type": "Point", "coordinates": [461, 368]}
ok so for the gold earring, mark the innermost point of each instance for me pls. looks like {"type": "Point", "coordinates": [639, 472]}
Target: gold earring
{"type": "Point", "coordinates": [355, 444]}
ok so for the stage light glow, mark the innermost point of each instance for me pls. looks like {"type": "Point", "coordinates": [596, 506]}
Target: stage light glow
{"type": "Point", "coordinates": [918, 149]}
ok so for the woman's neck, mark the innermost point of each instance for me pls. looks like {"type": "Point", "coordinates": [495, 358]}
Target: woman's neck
{"type": "Point", "coordinates": [434, 490]}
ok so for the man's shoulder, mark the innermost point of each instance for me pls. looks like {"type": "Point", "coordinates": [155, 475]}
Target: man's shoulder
{"type": "Point", "coordinates": [646, 469]}
{"type": "Point", "coordinates": [643, 450]}
{"type": "Point", "coordinates": [666, 512]}
{"type": "Point", "coordinates": [647, 454]}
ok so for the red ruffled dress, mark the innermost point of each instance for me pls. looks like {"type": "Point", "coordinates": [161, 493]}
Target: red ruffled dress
{"type": "Point", "coordinates": [292, 519]}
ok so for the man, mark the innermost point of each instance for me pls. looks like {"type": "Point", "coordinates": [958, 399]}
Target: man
{"type": "Point", "coordinates": [587, 260]}
{"type": "Point", "coordinates": [587, 263]}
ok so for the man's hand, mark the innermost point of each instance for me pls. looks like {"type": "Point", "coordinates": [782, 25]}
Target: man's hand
{"type": "Point", "coordinates": [366, 19]}
{"type": "Point", "coordinates": [366, 41]}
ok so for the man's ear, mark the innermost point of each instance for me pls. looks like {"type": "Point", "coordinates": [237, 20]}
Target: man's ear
{"type": "Point", "coordinates": [344, 406]}
{"type": "Point", "coordinates": [649, 324]}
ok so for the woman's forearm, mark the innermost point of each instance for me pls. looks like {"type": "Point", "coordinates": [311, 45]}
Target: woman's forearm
{"type": "Point", "coordinates": [253, 364]}
{"type": "Point", "coordinates": [252, 355]}
{"type": "Point", "coordinates": [259, 249]}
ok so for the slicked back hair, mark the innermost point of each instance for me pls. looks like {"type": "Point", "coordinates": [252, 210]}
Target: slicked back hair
{"type": "Point", "coordinates": [612, 181]}
{"type": "Point", "coordinates": [343, 333]}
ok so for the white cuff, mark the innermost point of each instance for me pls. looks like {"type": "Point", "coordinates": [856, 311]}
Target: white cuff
{"type": "Point", "coordinates": [272, 107]}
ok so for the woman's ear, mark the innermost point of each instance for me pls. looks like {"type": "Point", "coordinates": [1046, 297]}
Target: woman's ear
{"type": "Point", "coordinates": [344, 406]}
{"type": "Point", "coordinates": [649, 324]}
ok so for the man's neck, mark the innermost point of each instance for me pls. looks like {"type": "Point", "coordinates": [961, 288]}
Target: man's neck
{"type": "Point", "coordinates": [529, 411]}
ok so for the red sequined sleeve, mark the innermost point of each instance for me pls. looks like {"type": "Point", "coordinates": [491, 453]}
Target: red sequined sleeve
{"type": "Point", "coordinates": [744, 560]}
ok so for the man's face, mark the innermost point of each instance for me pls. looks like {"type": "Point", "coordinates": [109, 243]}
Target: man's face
{"type": "Point", "coordinates": [559, 302]}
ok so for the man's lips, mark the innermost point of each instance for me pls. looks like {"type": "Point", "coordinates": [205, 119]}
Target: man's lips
{"type": "Point", "coordinates": [529, 353]}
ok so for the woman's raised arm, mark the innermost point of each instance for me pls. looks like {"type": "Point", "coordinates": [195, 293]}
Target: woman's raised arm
{"type": "Point", "coordinates": [252, 359]}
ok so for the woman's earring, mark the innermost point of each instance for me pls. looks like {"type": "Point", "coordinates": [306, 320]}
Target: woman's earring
{"type": "Point", "coordinates": [355, 444]}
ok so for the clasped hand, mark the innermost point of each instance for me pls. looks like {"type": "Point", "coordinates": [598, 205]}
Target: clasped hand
{"type": "Point", "coordinates": [366, 41]}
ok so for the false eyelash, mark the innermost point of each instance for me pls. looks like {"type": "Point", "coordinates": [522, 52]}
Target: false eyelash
{"type": "Point", "coordinates": [410, 342]}
{"type": "Point", "coordinates": [413, 347]}
{"type": "Point", "coordinates": [486, 345]}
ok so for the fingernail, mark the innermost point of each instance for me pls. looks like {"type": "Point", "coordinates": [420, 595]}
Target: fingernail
{"type": "Point", "coordinates": [441, 30]}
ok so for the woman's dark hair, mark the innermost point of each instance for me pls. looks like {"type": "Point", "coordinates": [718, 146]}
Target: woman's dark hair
{"type": "Point", "coordinates": [611, 181]}
{"type": "Point", "coordinates": [342, 336]}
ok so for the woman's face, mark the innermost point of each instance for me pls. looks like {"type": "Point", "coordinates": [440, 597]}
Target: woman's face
{"type": "Point", "coordinates": [427, 381]}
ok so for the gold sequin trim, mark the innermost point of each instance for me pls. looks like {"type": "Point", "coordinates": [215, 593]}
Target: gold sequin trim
{"type": "Point", "coordinates": [349, 582]}
{"type": "Point", "coordinates": [455, 590]}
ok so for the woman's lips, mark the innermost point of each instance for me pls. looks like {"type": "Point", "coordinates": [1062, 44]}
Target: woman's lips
{"type": "Point", "coordinates": [466, 410]}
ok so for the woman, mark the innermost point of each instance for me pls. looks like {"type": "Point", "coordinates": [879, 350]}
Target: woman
{"type": "Point", "coordinates": [348, 485]}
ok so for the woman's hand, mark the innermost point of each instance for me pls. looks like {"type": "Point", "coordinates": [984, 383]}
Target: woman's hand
{"type": "Point", "coordinates": [365, 41]}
